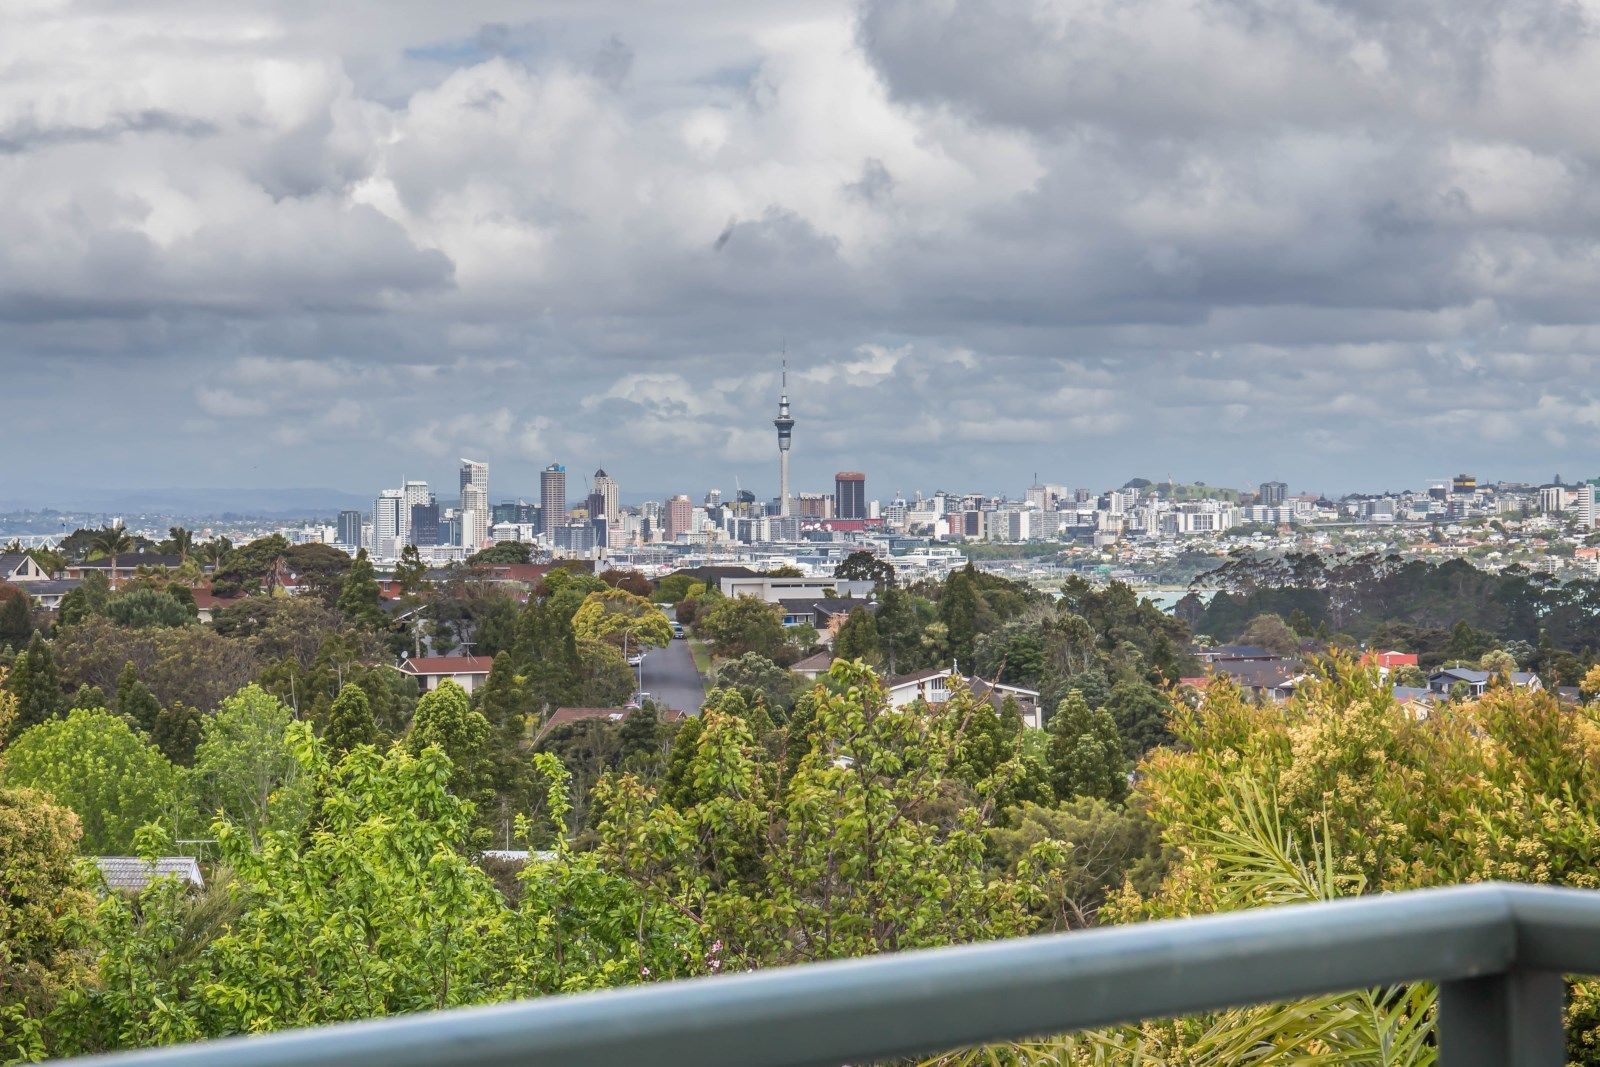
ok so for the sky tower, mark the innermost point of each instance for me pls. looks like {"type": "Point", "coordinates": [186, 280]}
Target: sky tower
{"type": "Point", "coordinates": [785, 426]}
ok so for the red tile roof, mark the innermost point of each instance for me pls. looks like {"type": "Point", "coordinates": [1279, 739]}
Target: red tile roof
{"type": "Point", "coordinates": [448, 665]}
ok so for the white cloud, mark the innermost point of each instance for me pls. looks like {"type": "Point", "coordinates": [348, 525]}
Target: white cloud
{"type": "Point", "coordinates": [993, 237]}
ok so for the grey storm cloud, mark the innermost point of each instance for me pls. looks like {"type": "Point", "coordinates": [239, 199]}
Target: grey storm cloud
{"type": "Point", "coordinates": [1346, 244]}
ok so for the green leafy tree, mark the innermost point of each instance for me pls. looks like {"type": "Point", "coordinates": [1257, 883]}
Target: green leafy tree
{"type": "Point", "coordinates": [1498, 662]}
{"type": "Point", "coordinates": [1086, 758]}
{"type": "Point", "coordinates": [320, 570]}
{"type": "Point", "coordinates": [89, 598]}
{"type": "Point", "coordinates": [45, 906]}
{"type": "Point", "coordinates": [36, 684]}
{"type": "Point", "coordinates": [757, 678]}
{"type": "Point", "coordinates": [410, 572]}
{"type": "Point", "coordinates": [244, 770]}
{"type": "Point", "coordinates": [1108, 845]}
{"type": "Point", "coordinates": [16, 620]}
{"type": "Point", "coordinates": [144, 608]}
{"type": "Point", "coordinates": [1141, 714]}
{"type": "Point", "coordinates": [502, 552]}
{"type": "Point", "coordinates": [359, 600]}
{"type": "Point", "coordinates": [736, 625]}
{"type": "Point", "coordinates": [177, 733]}
{"type": "Point", "coordinates": [611, 614]}
{"type": "Point", "coordinates": [642, 740]}
{"type": "Point", "coordinates": [250, 568]}
{"type": "Point", "coordinates": [959, 608]}
{"type": "Point", "coordinates": [858, 638]}
{"type": "Point", "coordinates": [1270, 632]}
{"type": "Point", "coordinates": [94, 763]}
{"type": "Point", "coordinates": [863, 566]}
{"type": "Point", "coordinates": [350, 722]}
{"type": "Point", "coordinates": [445, 718]}
{"type": "Point", "coordinates": [844, 858]}
{"type": "Point", "coordinates": [135, 701]}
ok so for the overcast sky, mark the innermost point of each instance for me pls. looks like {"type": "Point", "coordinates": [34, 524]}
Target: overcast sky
{"type": "Point", "coordinates": [1347, 245]}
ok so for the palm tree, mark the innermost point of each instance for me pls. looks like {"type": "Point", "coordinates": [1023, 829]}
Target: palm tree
{"type": "Point", "coordinates": [182, 542]}
{"type": "Point", "coordinates": [213, 552]}
{"type": "Point", "coordinates": [112, 542]}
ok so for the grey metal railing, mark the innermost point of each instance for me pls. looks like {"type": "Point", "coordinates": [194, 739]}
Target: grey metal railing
{"type": "Point", "coordinates": [1497, 951]}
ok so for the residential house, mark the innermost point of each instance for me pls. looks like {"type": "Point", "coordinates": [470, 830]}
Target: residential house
{"type": "Point", "coordinates": [20, 568]}
{"type": "Point", "coordinates": [1476, 682]}
{"type": "Point", "coordinates": [825, 614]}
{"type": "Point", "coordinates": [48, 593]}
{"type": "Point", "coordinates": [128, 564]}
{"type": "Point", "coordinates": [814, 665]}
{"type": "Point", "coordinates": [933, 686]}
{"type": "Point", "coordinates": [1268, 676]}
{"type": "Point", "coordinates": [132, 874]}
{"type": "Point", "coordinates": [776, 590]}
{"type": "Point", "coordinates": [468, 672]}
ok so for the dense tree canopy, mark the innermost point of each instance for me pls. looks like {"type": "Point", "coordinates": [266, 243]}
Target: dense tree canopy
{"type": "Point", "coordinates": [98, 766]}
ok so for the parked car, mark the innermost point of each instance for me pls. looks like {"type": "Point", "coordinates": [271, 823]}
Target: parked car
{"type": "Point", "coordinates": [677, 630]}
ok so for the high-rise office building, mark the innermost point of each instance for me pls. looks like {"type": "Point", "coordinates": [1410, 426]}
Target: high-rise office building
{"type": "Point", "coordinates": [386, 524]}
{"type": "Point", "coordinates": [680, 516]}
{"type": "Point", "coordinates": [412, 494]}
{"type": "Point", "coordinates": [474, 510]}
{"type": "Point", "coordinates": [424, 524]}
{"type": "Point", "coordinates": [785, 426]}
{"type": "Point", "coordinates": [552, 498]}
{"type": "Point", "coordinates": [474, 472]}
{"type": "Point", "coordinates": [850, 495]}
{"type": "Point", "coordinates": [605, 487]}
{"type": "Point", "coordinates": [349, 528]}
{"type": "Point", "coordinates": [518, 512]}
{"type": "Point", "coordinates": [813, 506]}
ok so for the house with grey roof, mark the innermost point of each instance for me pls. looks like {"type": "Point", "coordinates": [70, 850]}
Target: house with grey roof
{"type": "Point", "coordinates": [131, 874]}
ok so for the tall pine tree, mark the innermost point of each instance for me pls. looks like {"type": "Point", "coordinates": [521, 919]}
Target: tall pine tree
{"type": "Point", "coordinates": [1086, 758]}
{"type": "Point", "coordinates": [350, 721]}
{"type": "Point", "coordinates": [35, 684]}
{"type": "Point", "coordinates": [135, 701]}
{"type": "Point", "coordinates": [359, 601]}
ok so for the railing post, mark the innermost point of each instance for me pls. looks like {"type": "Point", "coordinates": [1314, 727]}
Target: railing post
{"type": "Point", "coordinates": [1511, 1019]}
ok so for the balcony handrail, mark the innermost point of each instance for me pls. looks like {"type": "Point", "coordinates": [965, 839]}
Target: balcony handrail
{"type": "Point", "coordinates": [1498, 952]}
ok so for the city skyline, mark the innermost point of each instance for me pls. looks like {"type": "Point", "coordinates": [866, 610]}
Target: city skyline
{"type": "Point", "coordinates": [283, 236]}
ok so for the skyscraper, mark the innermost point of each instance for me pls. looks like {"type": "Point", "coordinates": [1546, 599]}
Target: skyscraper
{"type": "Point", "coordinates": [785, 426]}
{"type": "Point", "coordinates": [412, 495]}
{"type": "Point", "coordinates": [349, 528]}
{"type": "Point", "coordinates": [850, 495]}
{"type": "Point", "coordinates": [475, 472]}
{"type": "Point", "coordinates": [605, 489]}
{"type": "Point", "coordinates": [474, 504]}
{"type": "Point", "coordinates": [552, 498]}
{"type": "Point", "coordinates": [386, 524]}
{"type": "Point", "coordinates": [1273, 494]}
{"type": "Point", "coordinates": [425, 524]}
{"type": "Point", "coordinates": [680, 516]}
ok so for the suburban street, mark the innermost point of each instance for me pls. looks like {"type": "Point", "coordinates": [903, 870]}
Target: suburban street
{"type": "Point", "coordinates": [670, 677]}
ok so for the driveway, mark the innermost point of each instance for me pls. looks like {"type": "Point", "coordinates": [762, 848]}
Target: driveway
{"type": "Point", "coordinates": [670, 677]}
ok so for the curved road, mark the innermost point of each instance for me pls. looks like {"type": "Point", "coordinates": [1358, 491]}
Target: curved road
{"type": "Point", "coordinates": [671, 679]}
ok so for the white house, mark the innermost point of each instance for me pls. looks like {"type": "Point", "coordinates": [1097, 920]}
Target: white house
{"type": "Point", "coordinates": [933, 687]}
{"type": "Point", "coordinates": [20, 568]}
{"type": "Point", "coordinates": [468, 672]}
